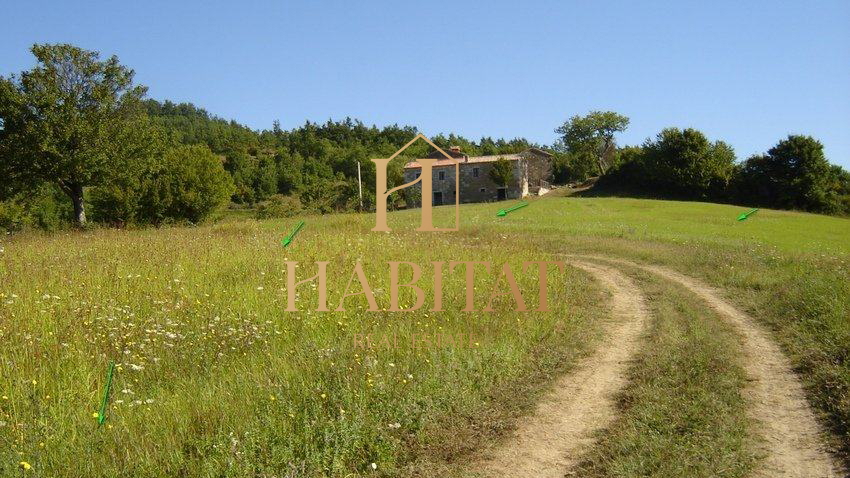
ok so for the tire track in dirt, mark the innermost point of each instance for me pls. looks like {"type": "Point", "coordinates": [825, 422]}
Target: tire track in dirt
{"type": "Point", "coordinates": [551, 441]}
{"type": "Point", "coordinates": [792, 436]}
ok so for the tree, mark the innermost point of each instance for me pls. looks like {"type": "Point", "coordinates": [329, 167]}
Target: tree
{"type": "Point", "coordinates": [685, 163]}
{"type": "Point", "coordinates": [593, 134]}
{"type": "Point", "coordinates": [289, 172]}
{"type": "Point", "coordinates": [681, 164]}
{"type": "Point", "coordinates": [502, 172]}
{"type": "Point", "coordinates": [576, 167]}
{"type": "Point", "coordinates": [72, 120]}
{"type": "Point", "coordinates": [794, 174]}
{"type": "Point", "coordinates": [840, 189]}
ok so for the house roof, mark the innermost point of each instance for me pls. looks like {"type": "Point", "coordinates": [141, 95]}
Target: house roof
{"type": "Point", "coordinates": [465, 160]}
{"type": "Point", "coordinates": [479, 159]}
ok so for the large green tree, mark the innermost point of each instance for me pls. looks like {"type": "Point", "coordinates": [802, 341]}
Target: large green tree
{"type": "Point", "coordinates": [72, 120]}
{"type": "Point", "coordinates": [593, 134]}
{"type": "Point", "coordinates": [794, 174]}
{"type": "Point", "coordinates": [502, 172]}
{"type": "Point", "coordinates": [686, 164]}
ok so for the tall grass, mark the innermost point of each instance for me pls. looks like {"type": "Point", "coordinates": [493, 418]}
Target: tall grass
{"type": "Point", "coordinates": [214, 378]}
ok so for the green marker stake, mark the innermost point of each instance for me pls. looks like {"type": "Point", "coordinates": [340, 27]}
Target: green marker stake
{"type": "Point", "coordinates": [504, 212]}
{"type": "Point", "coordinates": [102, 415]}
{"type": "Point", "coordinates": [288, 239]}
{"type": "Point", "coordinates": [747, 214]}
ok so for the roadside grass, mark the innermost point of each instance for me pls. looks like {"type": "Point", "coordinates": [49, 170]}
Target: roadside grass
{"type": "Point", "coordinates": [214, 378]}
{"type": "Point", "coordinates": [682, 413]}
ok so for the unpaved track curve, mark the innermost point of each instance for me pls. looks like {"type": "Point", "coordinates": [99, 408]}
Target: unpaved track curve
{"type": "Point", "coordinates": [792, 437]}
{"type": "Point", "coordinates": [551, 441]}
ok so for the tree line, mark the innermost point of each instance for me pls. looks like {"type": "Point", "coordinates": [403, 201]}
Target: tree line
{"type": "Point", "coordinates": [685, 164]}
{"type": "Point", "coordinates": [79, 143]}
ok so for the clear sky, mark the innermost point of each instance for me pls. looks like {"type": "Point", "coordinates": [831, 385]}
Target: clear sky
{"type": "Point", "coordinates": [746, 72]}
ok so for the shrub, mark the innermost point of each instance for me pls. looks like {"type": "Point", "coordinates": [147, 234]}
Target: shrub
{"type": "Point", "coordinates": [117, 203]}
{"type": "Point", "coordinates": [191, 185]}
{"type": "Point", "coordinates": [279, 206]}
{"type": "Point", "coordinates": [45, 208]}
{"type": "Point", "coordinates": [13, 216]}
{"type": "Point", "coordinates": [685, 164]}
{"type": "Point", "coordinates": [188, 184]}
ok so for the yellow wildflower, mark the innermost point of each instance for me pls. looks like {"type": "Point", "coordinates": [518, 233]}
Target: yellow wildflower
{"type": "Point", "coordinates": [25, 465]}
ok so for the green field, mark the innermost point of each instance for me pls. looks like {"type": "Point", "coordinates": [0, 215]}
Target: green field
{"type": "Point", "coordinates": [216, 379]}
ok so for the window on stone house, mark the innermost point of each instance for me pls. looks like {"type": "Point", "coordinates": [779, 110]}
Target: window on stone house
{"type": "Point", "coordinates": [475, 173]}
{"type": "Point", "coordinates": [442, 175]}
{"type": "Point", "coordinates": [483, 190]}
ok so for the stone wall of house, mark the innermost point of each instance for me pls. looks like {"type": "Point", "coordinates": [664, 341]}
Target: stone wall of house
{"type": "Point", "coordinates": [475, 184]}
{"type": "Point", "coordinates": [480, 188]}
{"type": "Point", "coordinates": [537, 171]}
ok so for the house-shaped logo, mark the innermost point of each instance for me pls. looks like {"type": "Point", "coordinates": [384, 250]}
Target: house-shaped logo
{"type": "Point", "coordinates": [424, 178]}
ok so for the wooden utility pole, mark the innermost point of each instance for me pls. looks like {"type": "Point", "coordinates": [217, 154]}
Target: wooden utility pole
{"type": "Point", "coordinates": [360, 185]}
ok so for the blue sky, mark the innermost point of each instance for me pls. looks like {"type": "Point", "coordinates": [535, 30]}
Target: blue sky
{"type": "Point", "coordinates": [748, 73]}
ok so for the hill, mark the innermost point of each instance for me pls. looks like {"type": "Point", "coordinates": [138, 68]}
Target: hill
{"type": "Point", "coordinates": [214, 376]}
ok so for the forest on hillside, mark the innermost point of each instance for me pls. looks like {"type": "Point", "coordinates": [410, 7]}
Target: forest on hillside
{"type": "Point", "coordinates": [81, 143]}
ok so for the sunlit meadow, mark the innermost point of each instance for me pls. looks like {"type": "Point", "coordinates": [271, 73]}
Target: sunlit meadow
{"type": "Point", "coordinates": [214, 378]}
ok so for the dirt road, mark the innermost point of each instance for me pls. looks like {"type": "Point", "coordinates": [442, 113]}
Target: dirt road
{"type": "Point", "coordinates": [791, 436]}
{"type": "Point", "coordinates": [550, 442]}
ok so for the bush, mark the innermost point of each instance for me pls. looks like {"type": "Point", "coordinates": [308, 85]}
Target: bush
{"type": "Point", "coordinates": [117, 203]}
{"type": "Point", "coordinates": [188, 184]}
{"type": "Point", "coordinates": [191, 185]}
{"type": "Point", "coordinates": [573, 167]}
{"type": "Point", "coordinates": [13, 216]}
{"type": "Point", "coordinates": [502, 172]}
{"type": "Point", "coordinates": [327, 195]}
{"type": "Point", "coordinates": [44, 208]}
{"type": "Point", "coordinates": [279, 206]}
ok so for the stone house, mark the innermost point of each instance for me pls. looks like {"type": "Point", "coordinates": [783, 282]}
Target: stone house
{"type": "Point", "coordinates": [532, 175]}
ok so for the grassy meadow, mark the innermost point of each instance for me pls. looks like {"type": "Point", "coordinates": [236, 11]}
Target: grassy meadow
{"type": "Point", "coordinates": [215, 378]}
